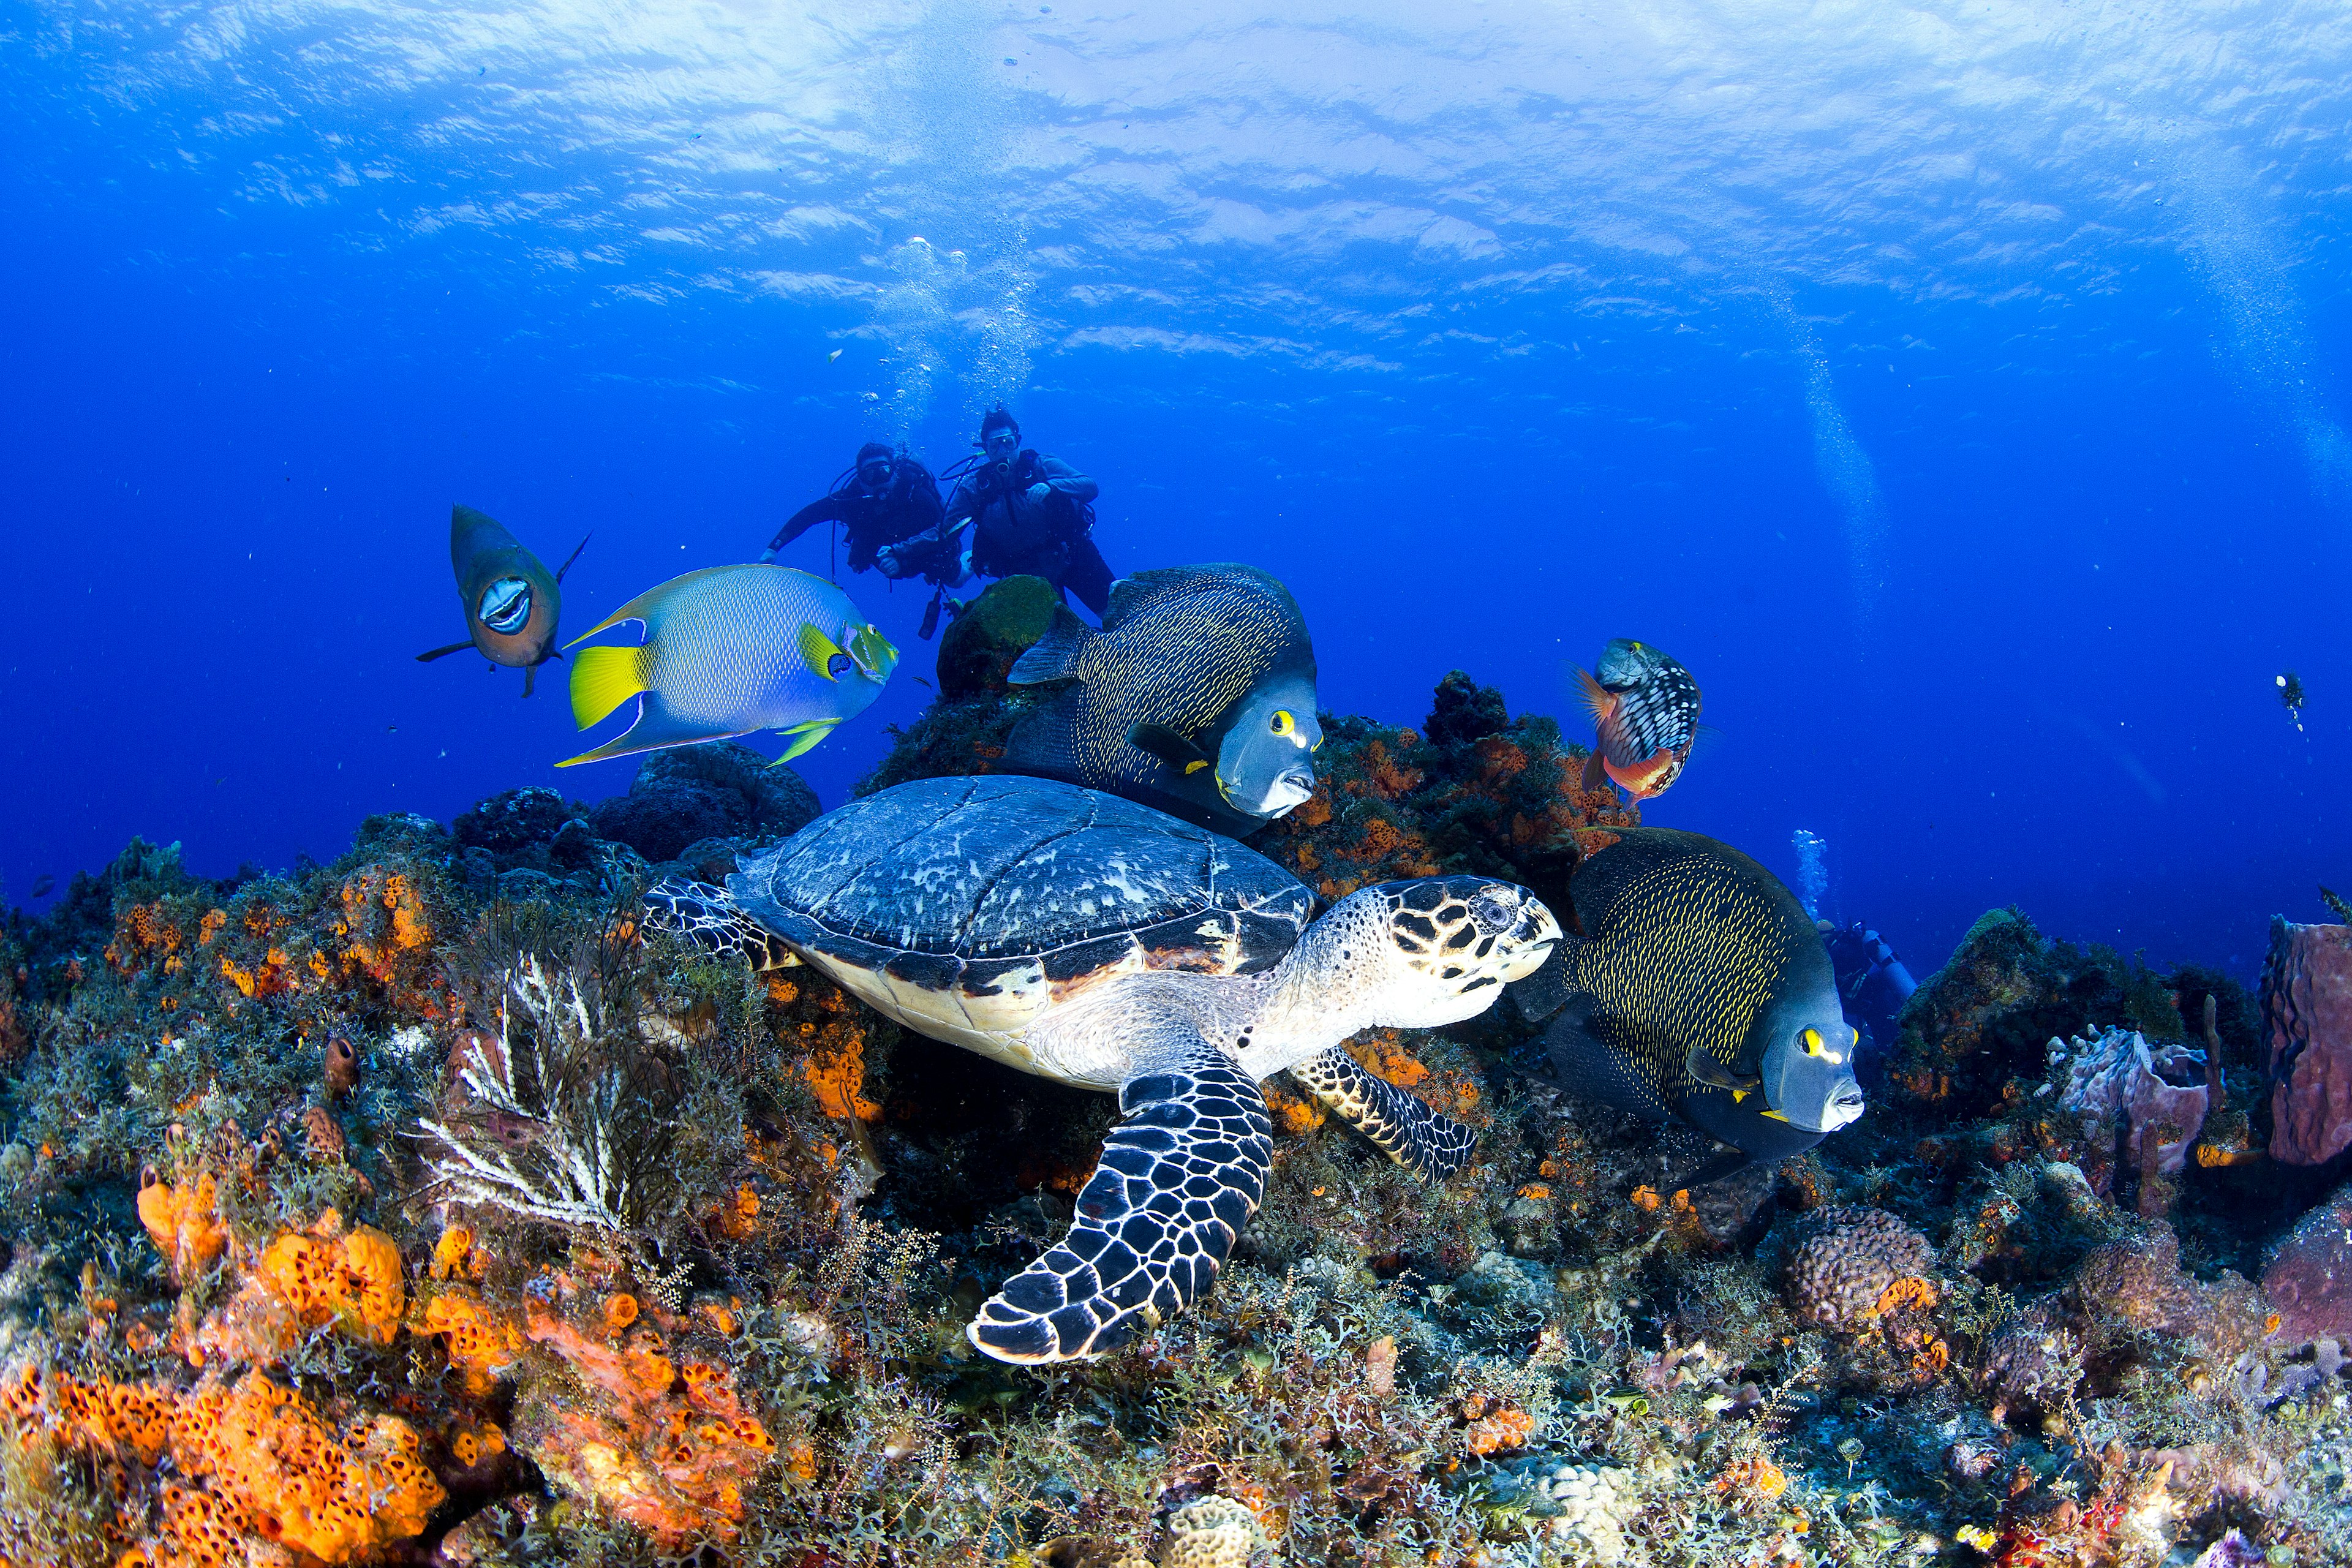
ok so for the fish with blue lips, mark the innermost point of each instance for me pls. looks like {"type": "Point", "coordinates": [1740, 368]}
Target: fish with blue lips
{"type": "Point", "coordinates": [1695, 987]}
{"type": "Point", "coordinates": [729, 651]}
{"type": "Point", "coordinates": [510, 599]}
{"type": "Point", "coordinates": [1196, 697]}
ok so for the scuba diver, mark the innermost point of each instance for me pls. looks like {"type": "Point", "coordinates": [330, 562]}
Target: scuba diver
{"type": "Point", "coordinates": [1871, 979]}
{"type": "Point", "coordinates": [886, 498]}
{"type": "Point", "coordinates": [1026, 513]}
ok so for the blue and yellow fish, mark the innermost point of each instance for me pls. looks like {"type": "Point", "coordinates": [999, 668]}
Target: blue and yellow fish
{"type": "Point", "coordinates": [730, 650]}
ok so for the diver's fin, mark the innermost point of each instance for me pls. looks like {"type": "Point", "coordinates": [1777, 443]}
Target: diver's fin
{"type": "Point", "coordinates": [809, 734]}
{"type": "Point", "coordinates": [444, 652]}
{"type": "Point", "coordinates": [1584, 1062]}
{"type": "Point", "coordinates": [604, 678]}
{"type": "Point", "coordinates": [576, 549]}
{"type": "Point", "coordinates": [1168, 746]}
{"type": "Point", "coordinates": [1055, 655]}
{"type": "Point", "coordinates": [1595, 775]}
{"type": "Point", "coordinates": [1704, 1066]}
{"type": "Point", "coordinates": [530, 678]}
{"type": "Point", "coordinates": [648, 606]}
{"type": "Point", "coordinates": [1730, 1163]}
{"type": "Point", "coordinates": [1547, 991]}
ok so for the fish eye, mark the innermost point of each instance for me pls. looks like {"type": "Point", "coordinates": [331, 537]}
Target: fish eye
{"type": "Point", "coordinates": [1283, 723]}
{"type": "Point", "coordinates": [505, 606]}
{"type": "Point", "coordinates": [1812, 1039]}
{"type": "Point", "coordinates": [839, 665]}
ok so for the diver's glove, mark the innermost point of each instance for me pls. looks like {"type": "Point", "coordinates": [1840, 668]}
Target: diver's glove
{"type": "Point", "coordinates": [1040, 490]}
{"type": "Point", "coordinates": [885, 561]}
{"type": "Point", "coordinates": [767, 554]}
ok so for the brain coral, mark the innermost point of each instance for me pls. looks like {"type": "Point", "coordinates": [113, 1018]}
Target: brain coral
{"type": "Point", "coordinates": [1851, 1269]}
{"type": "Point", "coordinates": [1212, 1532]}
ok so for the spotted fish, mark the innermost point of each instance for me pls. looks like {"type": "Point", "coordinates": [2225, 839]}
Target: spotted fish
{"type": "Point", "coordinates": [511, 598]}
{"type": "Point", "coordinates": [1197, 697]}
{"type": "Point", "coordinates": [1645, 708]}
{"type": "Point", "coordinates": [730, 650]}
{"type": "Point", "coordinates": [1697, 987]}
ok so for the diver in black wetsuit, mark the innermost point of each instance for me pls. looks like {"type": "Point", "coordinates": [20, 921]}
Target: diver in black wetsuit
{"type": "Point", "coordinates": [1025, 512]}
{"type": "Point", "coordinates": [887, 499]}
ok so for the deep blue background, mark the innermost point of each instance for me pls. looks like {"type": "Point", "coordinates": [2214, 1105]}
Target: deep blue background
{"type": "Point", "coordinates": [269, 314]}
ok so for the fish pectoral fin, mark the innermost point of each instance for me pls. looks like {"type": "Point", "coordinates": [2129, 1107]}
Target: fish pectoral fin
{"type": "Point", "coordinates": [1544, 992]}
{"type": "Point", "coordinates": [818, 651]}
{"type": "Point", "coordinates": [1599, 700]}
{"type": "Point", "coordinates": [1709, 1070]}
{"type": "Point", "coordinates": [1730, 1163]}
{"type": "Point", "coordinates": [806, 737]}
{"type": "Point", "coordinates": [1170, 747]}
{"type": "Point", "coordinates": [604, 678]}
{"type": "Point", "coordinates": [1772, 1115]}
{"type": "Point", "coordinates": [529, 678]}
{"type": "Point", "coordinates": [444, 652]}
{"type": "Point", "coordinates": [1594, 778]}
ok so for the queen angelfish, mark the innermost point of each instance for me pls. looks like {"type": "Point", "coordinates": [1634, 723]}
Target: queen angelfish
{"type": "Point", "coordinates": [511, 598]}
{"type": "Point", "coordinates": [1695, 987]}
{"type": "Point", "coordinates": [1645, 708]}
{"type": "Point", "coordinates": [730, 650]}
{"type": "Point", "coordinates": [1197, 697]}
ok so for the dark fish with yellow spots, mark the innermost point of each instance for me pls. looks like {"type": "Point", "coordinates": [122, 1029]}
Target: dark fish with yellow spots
{"type": "Point", "coordinates": [1197, 697]}
{"type": "Point", "coordinates": [510, 599]}
{"type": "Point", "coordinates": [1645, 708]}
{"type": "Point", "coordinates": [1694, 986]}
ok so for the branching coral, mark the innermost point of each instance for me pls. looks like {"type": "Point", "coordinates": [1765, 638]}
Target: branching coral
{"type": "Point", "coordinates": [523, 1150]}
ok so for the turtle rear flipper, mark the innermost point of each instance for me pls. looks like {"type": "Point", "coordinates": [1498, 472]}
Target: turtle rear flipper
{"type": "Point", "coordinates": [1180, 1175]}
{"type": "Point", "coordinates": [710, 918]}
{"type": "Point", "coordinates": [1407, 1130]}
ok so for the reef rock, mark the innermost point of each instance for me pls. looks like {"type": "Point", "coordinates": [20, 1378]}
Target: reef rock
{"type": "Point", "coordinates": [2307, 1023]}
{"type": "Point", "coordinates": [2120, 1081]}
{"type": "Point", "coordinates": [723, 790]}
{"type": "Point", "coordinates": [978, 649]}
{"type": "Point", "coordinates": [2309, 1278]}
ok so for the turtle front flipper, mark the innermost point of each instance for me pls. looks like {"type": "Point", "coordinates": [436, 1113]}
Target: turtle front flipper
{"type": "Point", "coordinates": [712, 920]}
{"type": "Point", "coordinates": [1409, 1131]}
{"type": "Point", "coordinates": [1180, 1175]}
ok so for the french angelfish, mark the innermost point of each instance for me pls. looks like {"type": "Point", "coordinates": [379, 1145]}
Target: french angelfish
{"type": "Point", "coordinates": [1645, 708]}
{"type": "Point", "coordinates": [510, 599]}
{"type": "Point", "coordinates": [1197, 697]}
{"type": "Point", "coordinates": [1695, 986]}
{"type": "Point", "coordinates": [730, 650]}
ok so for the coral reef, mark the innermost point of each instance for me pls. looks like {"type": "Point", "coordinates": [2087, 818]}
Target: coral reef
{"type": "Point", "coordinates": [418, 1208]}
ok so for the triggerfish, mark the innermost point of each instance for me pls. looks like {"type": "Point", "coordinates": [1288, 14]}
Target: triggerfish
{"type": "Point", "coordinates": [730, 650]}
{"type": "Point", "coordinates": [511, 598]}
{"type": "Point", "coordinates": [1645, 709]}
{"type": "Point", "coordinates": [1695, 986]}
{"type": "Point", "coordinates": [1197, 697]}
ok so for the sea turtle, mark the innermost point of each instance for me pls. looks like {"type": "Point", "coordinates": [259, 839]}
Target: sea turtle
{"type": "Point", "coordinates": [1094, 941]}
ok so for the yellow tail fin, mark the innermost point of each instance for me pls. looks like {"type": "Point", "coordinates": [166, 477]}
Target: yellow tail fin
{"type": "Point", "coordinates": [604, 678]}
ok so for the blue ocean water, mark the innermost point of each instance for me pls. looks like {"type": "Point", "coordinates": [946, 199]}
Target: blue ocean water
{"type": "Point", "coordinates": [1957, 389]}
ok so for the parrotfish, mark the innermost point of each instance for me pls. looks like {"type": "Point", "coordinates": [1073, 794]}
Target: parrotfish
{"type": "Point", "coordinates": [1645, 709]}
{"type": "Point", "coordinates": [510, 599]}
{"type": "Point", "coordinates": [731, 650]}
{"type": "Point", "coordinates": [1695, 986]}
{"type": "Point", "coordinates": [1196, 697]}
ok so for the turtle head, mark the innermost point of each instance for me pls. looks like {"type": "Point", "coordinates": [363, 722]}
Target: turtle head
{"type": "Point", "coordinates": [1449, 945]}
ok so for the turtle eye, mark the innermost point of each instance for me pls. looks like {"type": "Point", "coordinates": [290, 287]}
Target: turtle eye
{"type": "Point", "coordinates": [1283, 723]}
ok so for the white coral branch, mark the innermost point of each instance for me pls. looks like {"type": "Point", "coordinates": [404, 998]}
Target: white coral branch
{"type": "Point", "coordinates": [565, 1175]}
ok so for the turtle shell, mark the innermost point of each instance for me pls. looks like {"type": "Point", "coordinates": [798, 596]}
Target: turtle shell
{"type": "Point", "coordinates": [966, 906]}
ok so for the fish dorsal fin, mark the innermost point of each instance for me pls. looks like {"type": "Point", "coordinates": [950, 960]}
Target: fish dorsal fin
{"type": "Point", "coordinates": [652, 606]}
{"type": "Point", "coordinates": [1137, 589]}
{"type": "Point", "coordinates": [818, 650]}
{"type": "Point", "coordinates": [1168, 746]}
{"type": "Point", "coordinates": [1055, 655]}
{"type": "Point", "coordinates": [576, 549]}
{"type": "Point", "coordinates": [1703, 1065]}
